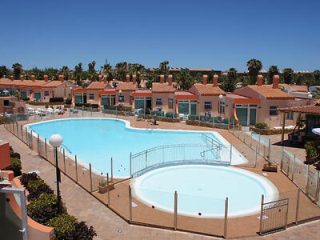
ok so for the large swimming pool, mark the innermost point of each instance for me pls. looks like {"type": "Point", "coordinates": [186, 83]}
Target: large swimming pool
{"type": "Point", "coordinates": [96, 141]}
{"type": "Point", "coordinates": [202, 190]}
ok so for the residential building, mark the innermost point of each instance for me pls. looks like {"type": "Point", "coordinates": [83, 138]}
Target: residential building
{"type": "Point", "coordinates": [11, 105]}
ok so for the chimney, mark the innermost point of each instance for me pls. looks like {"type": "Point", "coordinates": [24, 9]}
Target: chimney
{"type": "Point", "coordinates": [127, 78]}
{"type": "Point", "coordinates": [134, 79]}
{"type": "Point", "coordinates": [161, 78]}
{"type": "Point", "coordinates": [204, 79]}
{"type": "Point", "coordinates": [259, 80]}
{"type": "Point", "coordinates": [61, 78]}
{"type": "Point", "coordinates": [100, 77]}
{"type": "Point", "coordinates": [275, 81]}
{"type": "Point", "coordinates": [215, 80]}
{"type": "Point", "coordinates": [11, 77]}
{"type": "Point", "coordinates": [46, 78]}
{"type": "Point", "coordinates": [22, 77]}
{"type": "Point", "coordinates": [170, 79]}
{"type": "Point", "coordinates": [33, 78]}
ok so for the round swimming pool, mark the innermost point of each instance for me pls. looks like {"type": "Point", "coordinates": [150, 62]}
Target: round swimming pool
{"type": "Point", "coordinates": [202, 190]}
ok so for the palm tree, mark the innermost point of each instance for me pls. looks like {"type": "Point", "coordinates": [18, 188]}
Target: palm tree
{"type": "Point", "coordinates": [121, 70]}
{"type": "Point", "coordinates": [65, 71]}
{"type": "Point", "coordinates": [230, 80]}
{"type": "Point", "coordinates": [108, 71]}
{"type": "Point", "coordinates": [184, 79]}
{"type": "Point", "coordinates": [288, 75]}
{"type": "Point", "coordinates": [164, 67]}
{"type": "Point", "coordinates": [254, 67]}
{"type": "Point", "coordinates": [273, 70]}
{"type": "Point", "coordinates": [316, 77]}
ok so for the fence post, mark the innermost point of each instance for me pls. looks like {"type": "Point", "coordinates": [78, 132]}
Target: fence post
{"type": "Point", "coordinates": [298, 206]}
{"type": "Point", "coordinates": [38, 142]}
{"type": "Point", "coordinates": [21, 132]}
{"type": "Point", "coordinates": [130, 204]}
{"type": "Point", "coordinates": [308, 180]}
{"type": "Point", "coordinates": [255, 163]}
{"type": "Point", "coordinates": [261, 213]}
{"type": "Point", "coordinates": [31, 144]}
{"type": "Point", "coordinates": [316, 199]}
{"type": "Point", "coordinates": [282, 156]}
{"type": "Point", "coordinates": [230, 153]}
{"type": "Point", "coordinates": [130, 164]}
{"type": "Point", "coordinates": [146, 158]}
{"type": "Point", "coordinates": [259, 142]}
{"type": "Point", "coordinates": [111, 165]}
{"type": "Point", "coordinates": [76, 166]}
{"type": "Point", "coordinates": [269, 151]}
{"type": "Point", "coordinates": [90, 171]}
{"type": "Point", "coordinates": [108, 189]}
{"type": "Point", "coordinates": [175, 215]}
{"type": "Point", "coordinates": [64, 160]}
{"type": "Point", "coordinates": [27, 136]}
{"type": "Point", "coordinates": [226, 207]}
{"type": "Point", "coordinates": [293, 166]}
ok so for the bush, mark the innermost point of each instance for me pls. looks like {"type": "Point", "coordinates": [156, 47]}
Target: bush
{"type": "Point", "coordinates": [68, 101]}
{"type": "Point", "coordinates": [83, 232]}
{"type": "Point", "coordinates": [56, 99]}
{"type": "Point", "coordinates": [44, 208]}
{"type": "Point", "coordinates": [64, 226]}
{"type": "Point", "coordinates": [14, 154]}
{"type": "Point", "coordinates": [26, 177]}
{"type": "Point", "coordinates": [36, 188]}
{"type": "Point", "coordinates": [15, 166]}
{"type": "Point", "coordinates": [94, 105]}
{"type": "Point", "coordinates": [261, 125]}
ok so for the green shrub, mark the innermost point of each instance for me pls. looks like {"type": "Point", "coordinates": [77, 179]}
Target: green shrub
{"type": "Point", "coordinates": [15, 166]}
{"type": "Point", "coordinates": [261, 125]}
{"type": "Point", "coordinates": [26, 177]}
{"type": "Point", "coordinates": [64, 226]}
{"type": "Point", "coordinates": [56, 99]}
{"type": "Point", "coordinates": [43, 208]}
{"type": "Point", "coordinates": [68, 101]}
{"type": "Point", "coordinates": [83, 232]}
{"type": "Point", "coordinates": [36, 188]}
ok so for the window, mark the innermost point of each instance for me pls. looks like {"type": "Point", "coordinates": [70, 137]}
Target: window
{"type": "Point", "coordinates": [273, 111]}
{"type": "Point", "coordinates": [159, 101]}
{"type": "Point", "coordinates": [46, 93]}
{"type": "Point", "coordinates": [207, 106]}
{"type": "Point", "coordinates": [170, 103]}
{"type": "Point", "coordinates": [289, 115]}
{"type": "Point", "coordinates": [91, 96]}
{"type": "Point", "coordinates": [221, 107]}
{"type": "Point", "coordinates": [121, 98]}
{"type": "Point", "coordinates": [6, 103]}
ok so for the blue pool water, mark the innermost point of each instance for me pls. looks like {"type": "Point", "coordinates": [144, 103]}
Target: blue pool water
{"type": "Point", "coordinates": [203, 189]}
{"type": "Point", "coordinates": [95, 141]}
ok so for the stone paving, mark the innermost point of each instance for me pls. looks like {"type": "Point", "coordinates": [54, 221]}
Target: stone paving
{"type": "Point", "coordinates": [110, 226]}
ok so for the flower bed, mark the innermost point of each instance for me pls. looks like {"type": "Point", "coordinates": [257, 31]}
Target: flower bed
{"type": "Point", "coordinates": [43, 208]}
{"type": "Point", "coordinates": [269, 131]}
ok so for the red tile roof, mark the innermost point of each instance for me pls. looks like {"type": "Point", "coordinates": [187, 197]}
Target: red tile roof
{"type": "Point", "coordinates": [312, 109]}
{"type": "Point", "coordinates": [270, 93]}
{"type": "Point", "coordinates": [108, 91]}
{"type": "Point", "coordinates": [295, 88]}
{"type": "Point", "coordinates": [207, 89]}
{"type": "Point", "coordinates": [142, 93]}
{"type": "Point", "coordinates": [163, 88]}
{"type": "Point", "coordinates": [238, 99]}
{"type": "Point", "coordinates": [97, 85]}
{"type": "Point", "coordinates": [126, 86]}
{"type": "Point", "coordinates": [183, 95]}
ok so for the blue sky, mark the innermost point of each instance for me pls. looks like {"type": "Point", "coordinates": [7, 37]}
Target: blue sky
{"type": "Point", "coordinates": [214, 34]}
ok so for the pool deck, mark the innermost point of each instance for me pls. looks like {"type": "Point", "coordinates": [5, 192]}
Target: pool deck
{"type": "Point", "coordinates": [110, 226]}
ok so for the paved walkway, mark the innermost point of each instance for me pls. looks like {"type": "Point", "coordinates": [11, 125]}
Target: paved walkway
{"type": "Point", "coordinates": [107, 224]}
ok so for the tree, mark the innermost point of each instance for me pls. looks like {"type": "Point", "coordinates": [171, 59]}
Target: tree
{"type": "Point", "coordinates": [4, 71]}
{"type": "Point", "coordinates": [107, 71]}
{"type": "Point", "coordinates": [184, 79]}
{"type": "Point", "coordinates": [136, 69]}
{"type": "Point", "coordinates": [17, 70]}
{"type": "Point", "coordinates": [254, 67]}
{"type": "Point", "coordinates": [299, 78]}
{"type": "Point", "coordinates": [77, 74]}
{"type": "Point", "coordinates": [92, 71]}
{"type": "Point", "coordinates": [52, 73]}
{"type": "Point", "coordinates": [288, 75]}
{"type": "Point", "coordinates": [164, 67]}
{"type": "Point", "coordinates": [65, 72]}
{"type": "Point", "coordinates": [316, 77]}
{"type": "Point", "coordinates": [273, 70]}
{"type": "Point", "coordinates": [230, 80]}
{"type": "Point", "coordinates": [121, 70]}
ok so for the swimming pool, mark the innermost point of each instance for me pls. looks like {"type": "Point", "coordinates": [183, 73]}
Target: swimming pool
{"type": "Point", "coordinates": [202, 190]}
{"type": "Point", "coordinates": [96, 140]}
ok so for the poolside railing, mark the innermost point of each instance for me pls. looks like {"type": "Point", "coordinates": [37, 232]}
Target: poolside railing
{"type": "Point", "coordinates": [178, 154]}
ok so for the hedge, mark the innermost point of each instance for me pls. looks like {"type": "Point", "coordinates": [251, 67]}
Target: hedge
{"type": "Point", "coordinates": [15, 166]}
{"type": "Point", "coordinates": [56, 99]}
{"type": "Point", "coordinates": [36, 188]}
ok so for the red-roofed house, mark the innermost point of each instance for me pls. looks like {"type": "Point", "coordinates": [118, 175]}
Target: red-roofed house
{"type": "Point", "coordinates": [269, 99]}
{"type": "Point", "coordinates": [208, 96]}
